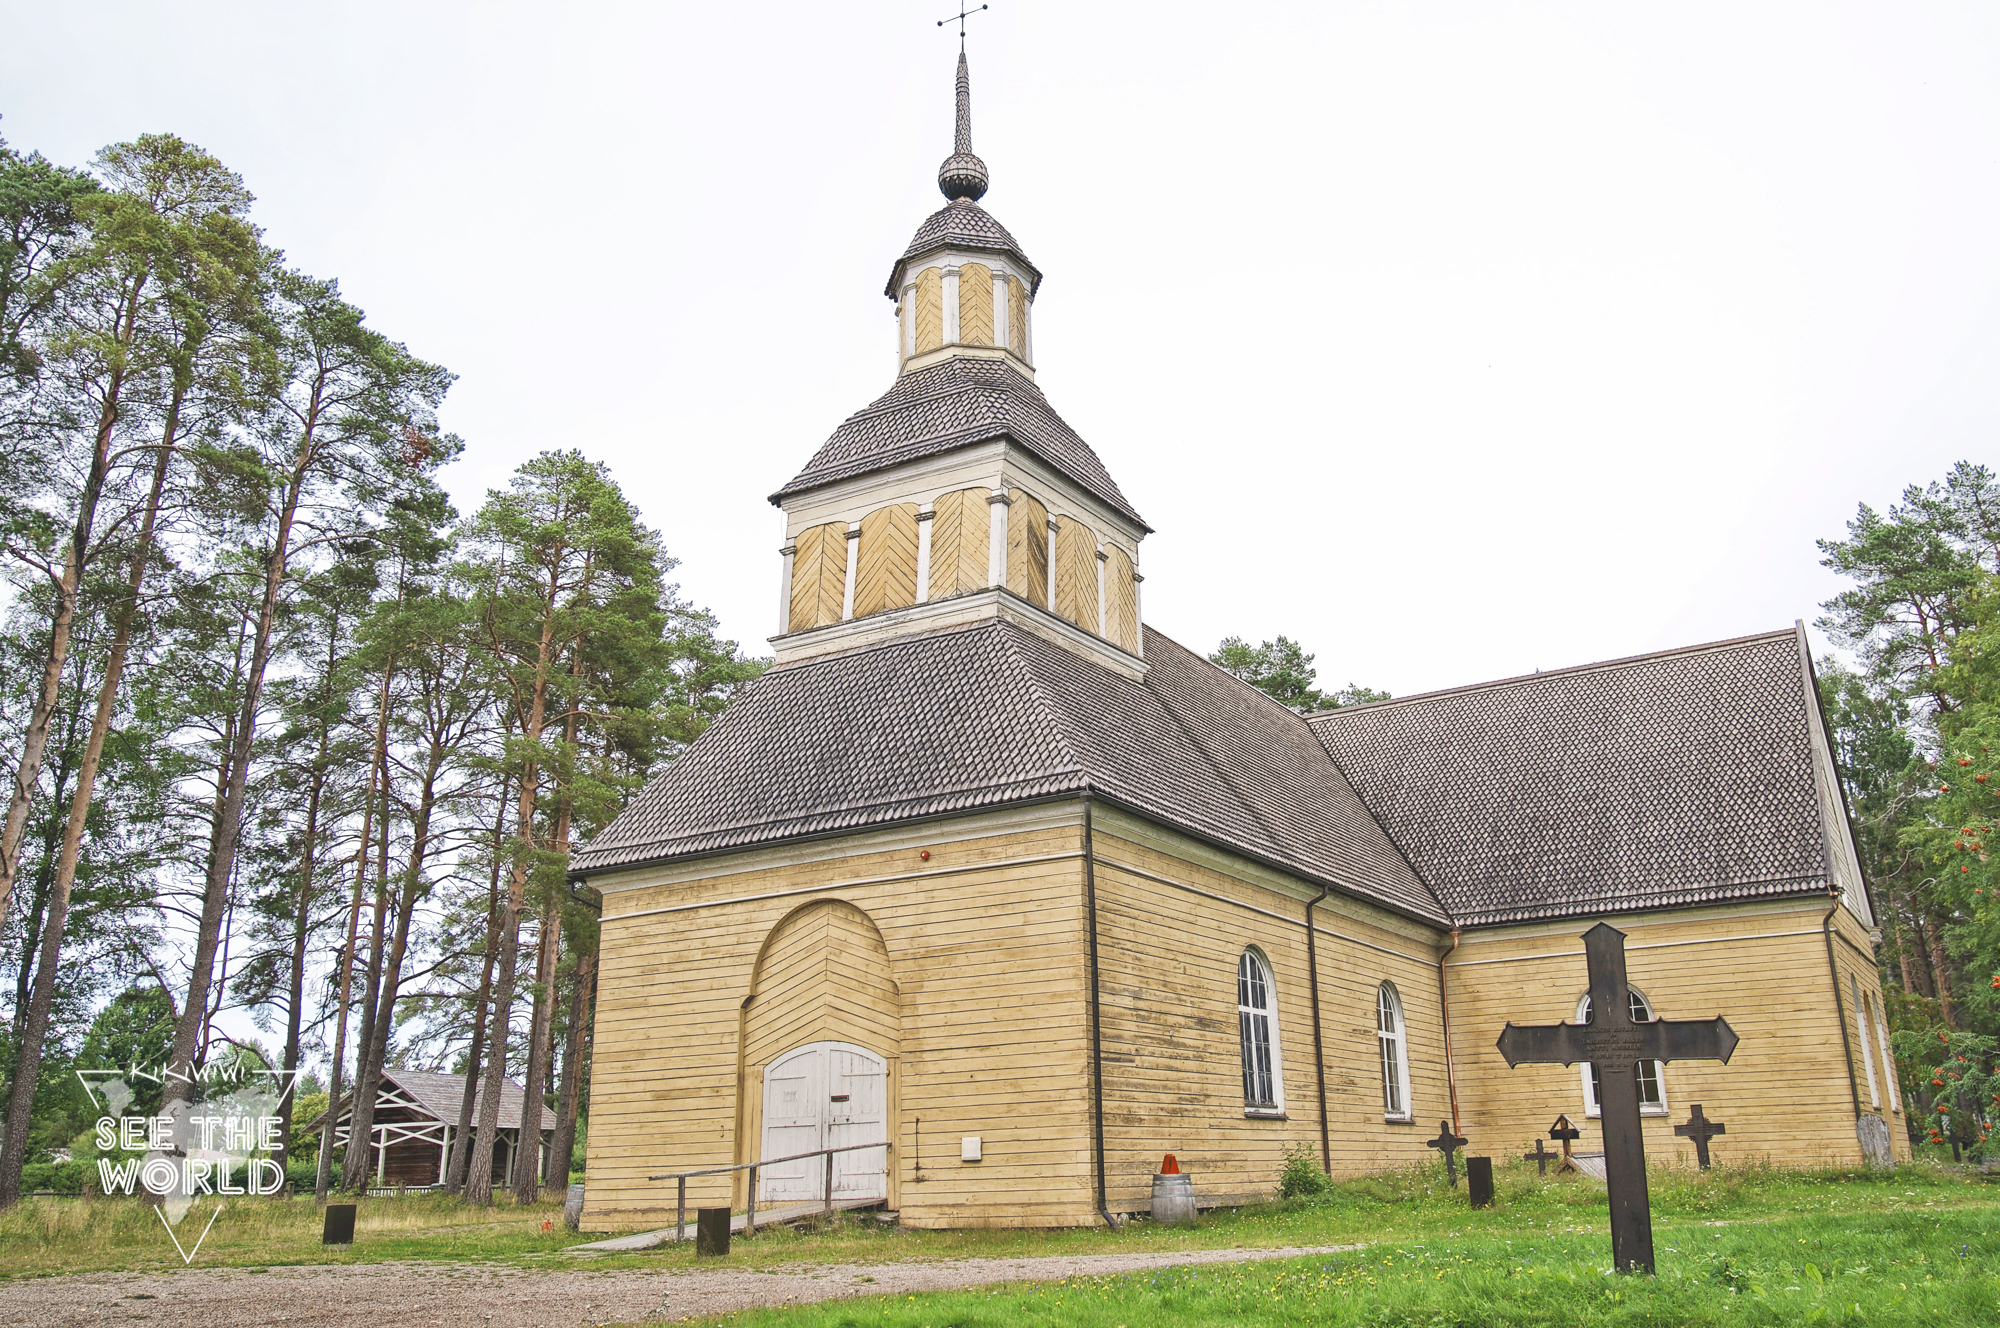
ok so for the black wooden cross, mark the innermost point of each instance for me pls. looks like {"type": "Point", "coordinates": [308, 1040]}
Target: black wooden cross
{"type": "Point", "coordinates": [1615, 1044]}
{"type": "Point", "coordinates": [1541, 1157]}
{"type": "Point", "coordinates": [1565, 1132]}
{"type": "Point", "coordinates": [1445, 1143]}
{"type": "Point", "coordinates": [1700, 1129]}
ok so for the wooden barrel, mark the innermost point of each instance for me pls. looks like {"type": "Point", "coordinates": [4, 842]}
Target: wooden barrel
{"type": "Point", "coordinates": [1173, 1198]}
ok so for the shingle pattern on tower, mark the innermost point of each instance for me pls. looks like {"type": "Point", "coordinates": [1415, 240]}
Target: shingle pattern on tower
{"type": "Point", "coordinates": [956, 403]}
{"type": "Point", "coordinates": [962, 224]}
{"type": "Point", "coordinates": [1673, 779]}
{"type": "Point", "coordinates": [989, 715]}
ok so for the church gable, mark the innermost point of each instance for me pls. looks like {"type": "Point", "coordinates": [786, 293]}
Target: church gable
{"type": "Point", "coordinates": [1686, 777]}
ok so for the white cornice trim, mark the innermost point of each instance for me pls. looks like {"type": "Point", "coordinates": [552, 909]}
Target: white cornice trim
{"type": "Point", "coordinates": [994, 603]}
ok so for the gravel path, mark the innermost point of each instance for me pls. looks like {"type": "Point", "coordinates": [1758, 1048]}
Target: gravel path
{"type": "Point", "coordinates": [411, 1295]}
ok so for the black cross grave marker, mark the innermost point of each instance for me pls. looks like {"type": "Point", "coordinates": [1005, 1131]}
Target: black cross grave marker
{"type": "Point", "coordinates": [1541, 1157]}
{"type": "Point", "coordinates": [1564, 1132]}
{"type": "Point", "coordinates": [1445, 1143]}
{"type": "Point", "coordinates": [1615, 1045]}
{"type": "Point", "coordinates": [1700, 1129]}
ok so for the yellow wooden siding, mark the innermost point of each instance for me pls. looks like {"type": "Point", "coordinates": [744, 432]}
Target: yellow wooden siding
{"type": "Point", "coordinates": [930, 309]}
{"type": "Point", "coordinates": [819, 576]}
{"type": "Point", "coordinates": [1028, 549]}
{"type": "Point", "coordinates": [1076, 572]}
{"type": "Point", "coordinates": [885, 572]}
{"type": "Point", "coordinates": [1121, 601]}
{"type": "Point", "coordinates": [961, 535]}
{"type": "Point", "coordinates": [988, 964]}
{"type": "Point", "coordinates": [1017, 317]}
{"type": "Point", "coordinates": [1784, 1095]}
{"type": "Point", "coordinates": [975, 304]}
{"type": "Point", "coordinates": [1173, 1063]}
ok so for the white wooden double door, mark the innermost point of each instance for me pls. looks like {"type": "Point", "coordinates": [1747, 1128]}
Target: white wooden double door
{"type": "Point", "coordinates": [825, 1095]}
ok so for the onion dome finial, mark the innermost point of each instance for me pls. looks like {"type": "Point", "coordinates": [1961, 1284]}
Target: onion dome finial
{"type": "Point", "coordinates": [963, 175]}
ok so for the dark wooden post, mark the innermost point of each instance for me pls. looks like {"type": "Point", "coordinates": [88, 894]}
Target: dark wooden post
{"type": "Point", "coordinates": [827, 1220]}
{"type": "Point", "coordinates": [339, 1225]}
{"type": "Point", "coordinates": [1479, 1181]}
{"type": "Point", "coordinates": [750, 1211]}
{"type": "Point", "coordinates": [681, 1215]}
{"type": "Point", "coordinates": [711, 1232]}
{"type": "Point", "coordinates": [1615, 1044]}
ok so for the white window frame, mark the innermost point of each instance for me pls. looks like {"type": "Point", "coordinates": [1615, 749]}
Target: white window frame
{"type": "Point", "coordinates": [1888, 1062]}
{"type": "Point", "coordinates": [1393, 1046]}
{"type": "Point", "coordinates": [1248, 1017]}
{"type": "Point", "coordinates": [1867, 1052]}
{"type": "Point", "coordinates": [1592, 1108]}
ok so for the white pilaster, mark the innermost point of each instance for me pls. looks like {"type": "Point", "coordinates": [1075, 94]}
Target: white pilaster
{"type": "Point", "coordinates": [1051, 586]}
{"type": "Point", "coordinates": [924, 520]}
{"type": "Point", "coordinates": [853, 561]}
{"type": "Point", "coordinates": [1138, 615]}
{"type": "Point", "coordinates": [1103, 627]}
{"type": "Point", "coordinates": [950, 305]}
{"type": "Point", "coordinates": [909, 328]}
{"type": "Point", "coordinates": [1000, 309]}
{"type": "Point", "coordinates": [996, 549]}
{"type": "Point", "coordinates": [785, 589]}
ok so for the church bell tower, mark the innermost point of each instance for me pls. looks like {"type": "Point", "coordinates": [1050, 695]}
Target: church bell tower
{"type": "Point", "coordinates": [960, 495]}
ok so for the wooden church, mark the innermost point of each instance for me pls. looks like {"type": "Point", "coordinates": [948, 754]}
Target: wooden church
{"type": "Point", "coordinates": [989, 872]}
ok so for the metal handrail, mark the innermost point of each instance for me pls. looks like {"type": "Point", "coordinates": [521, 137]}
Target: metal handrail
{"type": "Point", "coordinates": [750, 1212]}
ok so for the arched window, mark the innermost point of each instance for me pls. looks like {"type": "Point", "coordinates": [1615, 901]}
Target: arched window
{"type": "Point", "coordinates": [1652, 1083]}
{"type": "Point", "coordinates": [1395, 1044]}
{"type": "Point", "coordinates": [1257, 1021]}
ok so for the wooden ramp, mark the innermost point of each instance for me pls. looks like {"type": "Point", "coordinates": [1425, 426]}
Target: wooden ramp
{"type": "Point", "coordinates": [646, 1240]}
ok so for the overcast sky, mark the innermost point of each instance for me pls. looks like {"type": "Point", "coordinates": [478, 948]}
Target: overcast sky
{"type": "Point", "coordinates": [1455, 340]}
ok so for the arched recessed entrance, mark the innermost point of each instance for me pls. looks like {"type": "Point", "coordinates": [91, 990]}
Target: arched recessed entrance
{"type": "Point", "coordinates": [821, 1032]}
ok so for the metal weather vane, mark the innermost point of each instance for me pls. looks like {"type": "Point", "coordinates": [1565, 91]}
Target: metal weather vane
{"type": "Point", "coordinates": [959, 18]}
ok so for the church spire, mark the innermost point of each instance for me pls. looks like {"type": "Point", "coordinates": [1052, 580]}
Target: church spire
{"type": "Point", "coordinates": [963, 174]}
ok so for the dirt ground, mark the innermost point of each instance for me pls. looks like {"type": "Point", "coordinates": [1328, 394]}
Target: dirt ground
{"type": "Point", "coordinates": [482, 1296]}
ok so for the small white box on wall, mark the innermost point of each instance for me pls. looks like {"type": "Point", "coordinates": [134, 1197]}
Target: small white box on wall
{"type": "Point", "coordinates": [968, 1148]}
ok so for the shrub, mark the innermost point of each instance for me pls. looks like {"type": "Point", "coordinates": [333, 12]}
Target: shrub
{"type": "Point", "coordinates": [70, 1177]}
{"type": "Point", "coordinates": [1302, 1176]}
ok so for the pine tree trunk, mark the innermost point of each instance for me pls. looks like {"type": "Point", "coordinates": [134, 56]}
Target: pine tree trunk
{"type": "Point", "coordinates": [527, 1173]}
{"type": "Point", "coordinates": [479, 1181]}
{"type": "Point", "coordinates": [462, 1156]}
{"type": "Point", "coordinates": [323, 1181]}
{"type": "Point", "coordinates": [34, 1028]}
{"type": "Point", "coordinates": [229, 821]}
{"type": "Point", "coordinates": [583, 990]}
{"type": "Point", "coordinates": [367, 1070]}
{"type": "Point", "coordinates": [377, 1053]}
{"type": "Point", "coordinates": [69, 588]}
{"type": "Point", "coordinates": [1941, 970]}
{"type": "Point", "coordinates": [301, 933]}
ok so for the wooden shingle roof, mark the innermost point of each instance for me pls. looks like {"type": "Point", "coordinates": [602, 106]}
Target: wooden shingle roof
{"type": "Point", "coordinates": [1683, 777]}
{"type": "Point", "coordinates": [956, 403]}
{"type": "Point", "coordinates": [989, 715]}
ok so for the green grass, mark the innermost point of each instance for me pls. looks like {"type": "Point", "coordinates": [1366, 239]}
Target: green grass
{"type": "Point", "coordinates": [43, 1236]}
{"type": "Point", "coordinates": [1734, 1247]}
{"type": "Point", "coordinates": [1739, 1246]}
